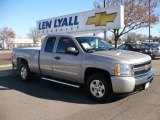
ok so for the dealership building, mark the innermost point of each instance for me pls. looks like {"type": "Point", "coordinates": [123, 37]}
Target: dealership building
{"type": "Point", "coordinates": [17, 42]}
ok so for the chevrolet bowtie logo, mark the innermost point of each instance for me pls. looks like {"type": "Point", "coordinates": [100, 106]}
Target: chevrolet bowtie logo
{"type": "Point", "coordinates": [101, 19]}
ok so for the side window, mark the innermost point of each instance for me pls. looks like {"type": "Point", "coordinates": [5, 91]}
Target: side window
{"type": "Point", "coordinates": [63, 44]}
{"type": "Point", "coordinates": [50, 44]}
{"type": "Point", "coordinates": [127, 47]}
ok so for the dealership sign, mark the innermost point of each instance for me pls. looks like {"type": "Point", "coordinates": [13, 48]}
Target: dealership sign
{"type": "Point", "coordinates": [108, 18]}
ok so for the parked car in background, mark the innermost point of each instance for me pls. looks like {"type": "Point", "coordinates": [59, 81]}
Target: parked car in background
{"type": "Point", "coordinates": [155, 47]}
{"type": "Point", "coordinates": [138, 48]}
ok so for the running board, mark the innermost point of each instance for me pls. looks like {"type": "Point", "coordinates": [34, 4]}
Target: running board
{"type": "Point", "coordinates": [64, 83]}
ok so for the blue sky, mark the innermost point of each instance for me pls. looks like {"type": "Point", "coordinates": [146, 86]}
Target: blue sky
{"type": "Point", "coordinates": [21, 15]}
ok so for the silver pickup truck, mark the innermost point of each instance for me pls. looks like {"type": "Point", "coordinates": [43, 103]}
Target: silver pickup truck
{"type": "Point", "coordinates": [87, 61]}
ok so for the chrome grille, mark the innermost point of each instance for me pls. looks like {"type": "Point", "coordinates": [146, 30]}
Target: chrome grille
{"type": "Point", "coordinates": [140, 69]}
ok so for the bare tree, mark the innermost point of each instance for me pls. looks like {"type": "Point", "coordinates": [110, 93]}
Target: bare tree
{"type": "Point", "coordinates": [136, 15]}
{"type": "Point", "coordinates": [33, 34]}
{"type": "Point", "coordinates": [7, 35]}
{"type": "Point", "coordinates": [134, 37]}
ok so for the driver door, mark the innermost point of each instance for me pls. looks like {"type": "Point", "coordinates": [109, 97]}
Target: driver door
{"type": "Point", "coordinates": [65, 65]}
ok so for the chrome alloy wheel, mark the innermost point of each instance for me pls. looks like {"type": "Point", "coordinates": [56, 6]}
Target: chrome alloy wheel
{"type": "Point", "coordinates": [97, 88]}
{"type": "Point", "coordinates": [24, 73]}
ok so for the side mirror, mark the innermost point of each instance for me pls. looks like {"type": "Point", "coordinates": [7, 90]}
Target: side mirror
{"type": "Point", "coordinates": [72, 50]}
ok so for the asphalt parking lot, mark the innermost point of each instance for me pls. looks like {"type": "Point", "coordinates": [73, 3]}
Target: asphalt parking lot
{"type": "Point", "coordinates": [38, 100]}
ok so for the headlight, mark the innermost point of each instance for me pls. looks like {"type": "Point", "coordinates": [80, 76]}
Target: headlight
{"type": "Point", "coordinates": [122, 70]}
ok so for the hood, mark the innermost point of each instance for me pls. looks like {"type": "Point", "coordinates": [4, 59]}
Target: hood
{"type": "Point", "coordinates": [124, 56]}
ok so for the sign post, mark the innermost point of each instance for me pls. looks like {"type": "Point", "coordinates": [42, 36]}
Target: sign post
{"type": "Point", "coordinates": [105, 37]}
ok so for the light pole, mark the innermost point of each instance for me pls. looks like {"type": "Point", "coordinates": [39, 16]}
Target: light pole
{"type": "Point", "coordinates": [149, 21]}
{"type": "Point", "coordinates": [104, 5]}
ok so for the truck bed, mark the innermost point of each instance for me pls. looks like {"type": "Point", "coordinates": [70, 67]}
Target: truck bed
{"type": "Point", "coordinates": [28, 48]}
{"type": "Point", "coordinates": [30, 54]}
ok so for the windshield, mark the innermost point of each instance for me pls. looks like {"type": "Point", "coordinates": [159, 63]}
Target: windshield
{"type": "Point", "coordinates": [152, 45]}
{"type": "Point", "coordinates": [90, 44]}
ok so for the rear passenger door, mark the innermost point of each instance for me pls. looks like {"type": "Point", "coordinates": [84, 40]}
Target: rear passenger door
{"type": "Point", "coordinates": [46, 57]}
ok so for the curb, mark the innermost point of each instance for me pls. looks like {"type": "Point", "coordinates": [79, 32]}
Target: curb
{"type": "Point", "coordinates": [9, 65]}
{"type": "Point", "coordinates": [6, 73]}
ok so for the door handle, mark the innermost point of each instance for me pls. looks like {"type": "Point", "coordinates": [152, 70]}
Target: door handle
{"type": "Point", "coordinates": [57, 58]}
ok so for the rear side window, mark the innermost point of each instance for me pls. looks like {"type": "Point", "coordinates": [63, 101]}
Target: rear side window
{"type": "Point", "coordinates": [50, 44]}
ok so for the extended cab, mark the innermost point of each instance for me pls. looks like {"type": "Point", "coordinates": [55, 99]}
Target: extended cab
{"type": "Point", "coordinates": [85, 61]}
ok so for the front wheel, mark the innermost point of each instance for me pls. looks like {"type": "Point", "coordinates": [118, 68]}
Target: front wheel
{"type": "Point", "coordinates": [24, 72]}
{"type": "Point", "coordinates": [99, 88]}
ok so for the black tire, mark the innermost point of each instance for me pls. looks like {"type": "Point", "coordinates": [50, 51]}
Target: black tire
{"type": "Point", "coordinates": [101, 93]}
{"type": "Point", "coordinates": [25, 72]}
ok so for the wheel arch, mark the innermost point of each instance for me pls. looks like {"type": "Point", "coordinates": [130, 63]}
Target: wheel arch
{"type": "Point", "coordinates": [89, 71]}
{"type": "Point", "coordinates": [21, 61]}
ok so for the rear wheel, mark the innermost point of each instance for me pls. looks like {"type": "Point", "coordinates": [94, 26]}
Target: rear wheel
{"type": "Point", "coordinates": [25, 72]}
{"type": "Point", "coordinates": [99, 88]}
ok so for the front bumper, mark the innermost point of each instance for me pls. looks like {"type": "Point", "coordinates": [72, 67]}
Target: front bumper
{"type": "Point", "coordinates": [129, 84]}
